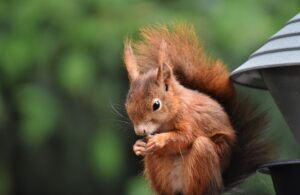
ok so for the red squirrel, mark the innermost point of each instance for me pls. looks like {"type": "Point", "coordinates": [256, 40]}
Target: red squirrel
{"type": "Point", "coordinates": [200, 137]}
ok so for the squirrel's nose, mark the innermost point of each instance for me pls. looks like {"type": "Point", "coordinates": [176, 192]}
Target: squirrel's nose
{"type": "Point", "coordinates": [140, 131]}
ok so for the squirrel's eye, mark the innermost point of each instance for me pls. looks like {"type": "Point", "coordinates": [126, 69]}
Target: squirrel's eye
{"type": "Point", "coordinates": [156, 105]}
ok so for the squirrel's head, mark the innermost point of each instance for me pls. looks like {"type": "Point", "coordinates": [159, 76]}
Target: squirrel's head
{"type": "Point", "coordinates": [151, 100]}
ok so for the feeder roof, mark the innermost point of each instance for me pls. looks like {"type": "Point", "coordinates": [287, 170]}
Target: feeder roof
{"type": "Point", "coordinates": [281, 50]}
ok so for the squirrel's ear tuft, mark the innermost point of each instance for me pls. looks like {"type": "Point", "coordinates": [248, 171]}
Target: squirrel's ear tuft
{"type": "Point", "coordinates": [164, 72]}
{"type": "Point", "coordinates": [130, 61]}
{"type": "Point", "coordinates": [162, 54]}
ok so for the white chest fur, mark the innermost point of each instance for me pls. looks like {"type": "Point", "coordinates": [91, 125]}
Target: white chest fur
{"type": "Point", "coordinates": [176, 175]}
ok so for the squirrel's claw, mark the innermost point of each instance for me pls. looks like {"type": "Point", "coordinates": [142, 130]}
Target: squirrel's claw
{"type": "Point", "coordinates": [139, 148]}
{"type": "Point", "coordinates": [154, 143]}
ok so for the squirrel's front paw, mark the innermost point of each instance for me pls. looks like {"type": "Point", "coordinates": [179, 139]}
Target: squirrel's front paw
{"type": "Point", "coordinates": [139, 147]}
{"type": "Point", "coordinates": [154, 143]}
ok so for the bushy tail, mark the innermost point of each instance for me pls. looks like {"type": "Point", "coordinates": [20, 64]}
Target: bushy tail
{"type": "Point", "coordinates": [196, 71]}
{"type": "Point", "coordinates": [251, 149]}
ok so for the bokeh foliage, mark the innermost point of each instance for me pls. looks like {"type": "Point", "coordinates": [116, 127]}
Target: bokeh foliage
{"type": "Point", "coordinates": [63, 86]}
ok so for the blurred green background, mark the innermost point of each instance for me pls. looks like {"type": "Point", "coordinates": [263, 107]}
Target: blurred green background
{"type": "Point", "coordinates": [63, 85]}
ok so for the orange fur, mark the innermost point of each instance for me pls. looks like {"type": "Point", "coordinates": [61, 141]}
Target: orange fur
{"type": "Point", "coordinates": [191, 137]}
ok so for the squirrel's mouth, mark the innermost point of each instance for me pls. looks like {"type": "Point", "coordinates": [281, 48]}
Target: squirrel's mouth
{"type": "Point", "coordinates": [151, 134]}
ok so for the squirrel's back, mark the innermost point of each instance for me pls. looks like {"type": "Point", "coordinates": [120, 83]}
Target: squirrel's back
{"type": "Point", "coordinates": [194, 70]}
